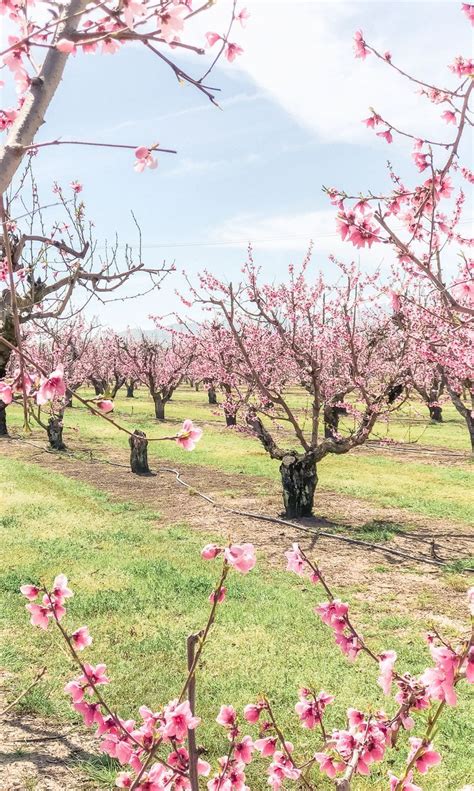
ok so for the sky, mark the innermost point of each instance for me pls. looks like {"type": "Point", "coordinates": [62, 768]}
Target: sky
{"type": "Point", "coordinates": [252, 171]}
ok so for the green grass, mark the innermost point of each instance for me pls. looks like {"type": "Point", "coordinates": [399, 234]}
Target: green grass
{"type": "Point", "coordinates": [141, 587]}
{"type": "Point", "coordinates": [379, 477]}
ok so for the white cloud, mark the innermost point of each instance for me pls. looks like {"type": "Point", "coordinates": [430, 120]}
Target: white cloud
{"type": "Point", "coordinates": [301, 54]}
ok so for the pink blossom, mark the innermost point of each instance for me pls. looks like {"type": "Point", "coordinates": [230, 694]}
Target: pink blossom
{"type": "Point", "coordinates": [178, 720]}
{"type": "Point", "coordinates": [426, 758]}
{"type": "Point", "coordinates": [212, 38]}
{"type": "Point", "coordinates": [462, 67]}
{"type": "Point", "coordinates": [21, 383]}
{"type": "Point", "coordinates": [243, 750]}
{"type": "Point", "coordinates": [386, 663]}
{"type": "Point", "coordinates": [387, 135]}
{"type": "Point", "coordinates": [220, 596]}
{"type": "Point", "coordinates": [132, 9]}
{"type": "Point", "coordinates": [30, 591]}
{"type": "Point", "coordinates": [266, 746]}
{"type": "Point", "coordinates": [75, 690]}
{"type": "Point", "coordinates": [468, 9]}
{"type": "Point", "coordinates": [90, 712]}
{"type": "Point", "coordinates": [144, 159]}
{"type": "Point", "coordinates": [52, 387]}
{"type": "Point", "coordinates": [310, 709]}
{"type": "Point", "coordinates": [241, 557]}
{"type": "Point", "coordinates": [105, 405]}
{"type": "Point", "coordinates": [449, 117]}
{"type": "Point", "coordinates": [252, 712]}
{"type": "Point", "coordinates": [360, 48]}
{"type": "Point", "coordinates": [395, 301]}
{"type": "Point", "coordinates": [373, 121]}
{"type": "Point", "coordinates": [439, 680]}
{"type": "Point", "coordinates": [76, 187]}
{"type": "Point", "coordinates": [189, 435]}
{"type": "Point", "coordinates": [328, 765]}
{"type": "Point", "coordinates": [242, 16]}
{"type": "Point", "coordinates": [6, 394]}
{"type": "Point", "coordinates": [421, 160]}
{"type": "Point", "coordinates": [40, 615]}
{"type": "Point", "coordinates": [464, 291]}
{"type": "Point", "coordinates": [227, 716]}
{"type": "Point", "coordinates": [231, 51]}
{"type": "Point", "coordinates": [172, 22]}
{"type": "Point", "coordinates": [406, 785]}
{"type": "Point", "coordinates": [123, 780]}
{"type": "Point", "coordinates": [295, 561]}
{"type": "Point", "coordinates": [60, 590]}
{"type": "Point", "coordinates": [81, 638]}
{"type": "Point", "coordinates": [66, 46]}
{"type": "Point", "coordinates": [210, 551]}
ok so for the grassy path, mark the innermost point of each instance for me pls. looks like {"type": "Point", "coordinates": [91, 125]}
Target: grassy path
{"type": "Point", "coordinates": [141, 587]}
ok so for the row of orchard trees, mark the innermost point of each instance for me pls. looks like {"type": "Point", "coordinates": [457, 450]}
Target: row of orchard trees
{"type": "Point", "coordinates": [350, 347]}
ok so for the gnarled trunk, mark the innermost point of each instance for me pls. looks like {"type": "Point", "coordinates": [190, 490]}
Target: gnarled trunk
{"type": "Point", "coordinates": [55, 433]}
{"type": "Point", "coordinates": [159, 407]}
{"type": "Point", "coordinates": [230, 419]}
{"type": "Point", "coordinates": [299, 479]}
{"type": "Point", "coordinates": [139, 453]}
{"type": "Point", "coordinates": [3, 421]}
{"type": "Point", "coordinates": [436, 413]}
{"type": "Point", "coordinates": [212, 395]}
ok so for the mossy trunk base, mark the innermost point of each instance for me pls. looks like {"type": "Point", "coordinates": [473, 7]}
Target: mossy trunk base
{"type": "Point", "coordinates": [139, 453]}
{"type": "Point", "coordinates": [299, 479]}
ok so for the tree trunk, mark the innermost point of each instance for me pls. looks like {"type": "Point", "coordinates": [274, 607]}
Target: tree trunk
{"type": "Point", "coordinates": [196, 387]}
{"type": "Point", "coordinates": [139, 453]}
{"type": "Point", "coordinates": [212, 395]}
{"type": "Point", "coordinates": [131, 390]}
{"type": "Point", "coordinates": [159, 408]}
{"type": "Point", "coordinates": [436, 413]}
{"type": "Point", "coordinates": [68, 398]}
{"type": "Point", "coordinates": [230, 419]}
{"type": "Point", "coordinates": [331, 421]}
{"type": "Point", "coordinates": [55, 433]}
{"type": "Point", "coordinates": [299, 479]}
{"type": "Point", "coordinates": [3, 421]}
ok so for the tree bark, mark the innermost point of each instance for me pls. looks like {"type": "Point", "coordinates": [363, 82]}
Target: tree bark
{"type": "Point", "coordinates": [139, 453]}
{"type": "Point", "coordinates": [38, 98]}
{"type": "Point", "coordinates": [55, 433]}
{"type": "Point", "coordinates": [299, 479]}
{"type": "Point", "coordinates": [3, 421]}
{"type": "Point", "coordinates": [436, 413]}
{"type": "Point", "coordinates": [159, 407]}
{"type": "Point", "coordinates": [131, 390]}
{"type": "Point", "coordinates": [230, 419]}
{"type": "Point", "coordinates": [212, 395]}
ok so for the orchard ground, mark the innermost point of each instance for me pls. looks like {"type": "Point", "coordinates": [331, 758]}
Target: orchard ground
{"type": "Point", "coordinates": [130, 547]}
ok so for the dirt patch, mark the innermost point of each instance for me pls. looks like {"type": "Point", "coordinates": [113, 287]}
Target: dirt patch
{"type": "Point", "coordinates": [375, 573]}
{"type": "Point", "coordinates": [39, 755]}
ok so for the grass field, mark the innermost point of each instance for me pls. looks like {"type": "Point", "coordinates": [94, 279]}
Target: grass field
{"type": "Point", "coordinates": [142, 587]}
{"type": "Point", "coordinates": [421, 486]}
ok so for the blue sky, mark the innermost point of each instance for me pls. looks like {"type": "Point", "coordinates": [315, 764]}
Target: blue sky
{"type": "Point", "coordinates": [290, 121]}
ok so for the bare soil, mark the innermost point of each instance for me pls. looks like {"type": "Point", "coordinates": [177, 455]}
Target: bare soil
{"type": "Point", "coordinates": [40, 755]}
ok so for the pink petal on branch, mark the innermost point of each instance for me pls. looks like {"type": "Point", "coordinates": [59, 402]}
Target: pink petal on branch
{"type": "Point", "coordinates": [449, 117]}
{"type": "Point", "coordinates": [52, 387]}
{"type": "Point", "coordinates": [30, 591]}
{"type": "Point", "coordinates": [241, 557]}
{"type": "Point", "coordinates": [468, 9]}
{"type": "Point", "coordinates": [66, 46]}
{"type": "Point", "coordinates": [212, 38]}
{"type": "Point", "coordinates": [105, 405]}
{"type": "Point", "coordinates": [189, 435]}
{"type": "Point", "coordinates": [81, 638]}
{"type": "Point", "coordinates": [40, 615]}
{"type": "Point", "coordinates": [6, 394]}
{"type": "Point", "coordinates": [231, 51]}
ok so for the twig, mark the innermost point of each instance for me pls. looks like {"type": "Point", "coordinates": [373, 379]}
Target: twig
{"type": "Point", "coordinates": [36, 681]}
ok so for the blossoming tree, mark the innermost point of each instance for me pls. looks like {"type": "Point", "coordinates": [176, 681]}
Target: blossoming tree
{"type": "Point", "coordinates": [327, 338]}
